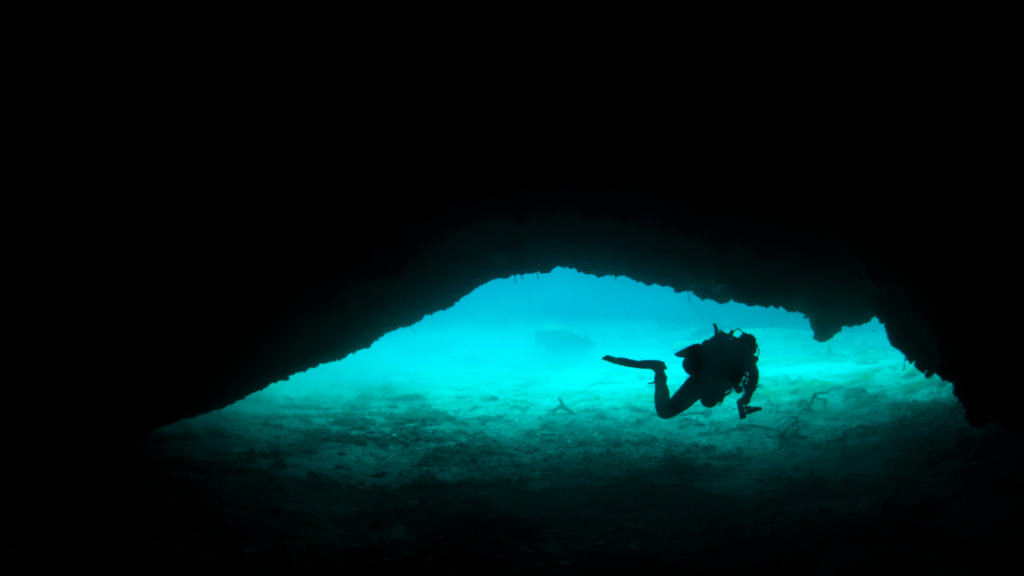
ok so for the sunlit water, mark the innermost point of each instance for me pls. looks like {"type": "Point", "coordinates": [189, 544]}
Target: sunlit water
{"type": "Point", "coordinates": [484, 367]}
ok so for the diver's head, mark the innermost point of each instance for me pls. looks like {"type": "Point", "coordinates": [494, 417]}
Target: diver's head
{"type": "Point", "coordinates": [748, 344]}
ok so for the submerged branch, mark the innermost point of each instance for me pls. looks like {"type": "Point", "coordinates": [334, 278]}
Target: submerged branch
{"type": "Point", "coordinates": [562, 406]}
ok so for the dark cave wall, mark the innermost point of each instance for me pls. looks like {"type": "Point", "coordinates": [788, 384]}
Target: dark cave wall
{"type": "Point", "coordinates": [257, 297]}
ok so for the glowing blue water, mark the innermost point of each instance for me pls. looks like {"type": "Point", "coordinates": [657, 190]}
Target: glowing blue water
{"type": "Point", "coordinates": [487, 344]}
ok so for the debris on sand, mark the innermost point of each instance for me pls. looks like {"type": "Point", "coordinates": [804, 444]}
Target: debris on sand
{"type": "Point", "coordinates": [562, 406]}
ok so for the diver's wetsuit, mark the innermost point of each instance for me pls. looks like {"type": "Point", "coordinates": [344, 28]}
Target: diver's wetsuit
{"type": "Point", "coordinates": [711, 379]}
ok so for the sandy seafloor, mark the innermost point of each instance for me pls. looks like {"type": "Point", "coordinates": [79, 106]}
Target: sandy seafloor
{"type": "Point", "coordinates": [480, 475]}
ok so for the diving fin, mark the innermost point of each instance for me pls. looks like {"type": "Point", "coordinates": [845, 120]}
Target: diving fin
{"type": "Point", "coordinates": [647, 364]}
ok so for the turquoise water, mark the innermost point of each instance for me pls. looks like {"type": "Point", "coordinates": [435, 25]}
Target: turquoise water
{"type": "Point", "coordinates": [505, 357]}
{"type": "Point", "coordinates": [487, 344]}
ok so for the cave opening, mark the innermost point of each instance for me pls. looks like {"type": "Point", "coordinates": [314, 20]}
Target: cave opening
{"type": "Point", "coordinates": [494, 427]}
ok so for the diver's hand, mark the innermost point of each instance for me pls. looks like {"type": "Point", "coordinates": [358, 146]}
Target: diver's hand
{"type": "Point", "coordinates": [744, 409]}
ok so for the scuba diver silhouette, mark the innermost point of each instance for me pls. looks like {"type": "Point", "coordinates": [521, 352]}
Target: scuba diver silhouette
{"type": "Point", "coordinates": [717, 366]}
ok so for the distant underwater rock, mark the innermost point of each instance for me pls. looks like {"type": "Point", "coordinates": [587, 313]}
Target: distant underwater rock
{"type": "Point", "coordinates": [695, 337]}
{"type": "Point", "coordinates": [563, 339]}
{"type": "Point", "coordinates": [700, 334]}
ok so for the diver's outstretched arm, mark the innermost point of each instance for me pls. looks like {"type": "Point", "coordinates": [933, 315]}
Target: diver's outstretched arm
{"type": "Point", "coordinates": [751, 385]}
{"type": "Point", "coordinates": [748, 391]}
